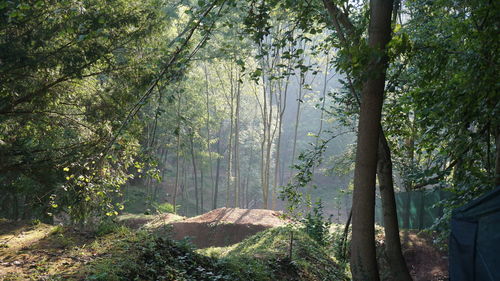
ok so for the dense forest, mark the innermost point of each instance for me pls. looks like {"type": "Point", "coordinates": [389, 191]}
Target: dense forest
{"type": "Point", "coordinates": [319, 111]}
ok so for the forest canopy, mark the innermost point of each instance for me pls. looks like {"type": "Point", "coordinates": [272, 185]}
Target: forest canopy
{"type": "Point", "coordinates": [187, 106]}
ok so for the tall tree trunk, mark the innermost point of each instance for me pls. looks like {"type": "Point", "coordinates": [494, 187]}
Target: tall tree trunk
{"type": "Point", "coordinates": [399, 270]}
{"type": "Point", "coordinates": [217, 172]}
{"type": "Point", "coordinates": [263, 146]}
{"type": "Point", "coordinates": [229, 160]}
{"type": "Point", "coordinates": [184, 185]}
{"type": "Point", "coordinates": [237, 146]}
{"type": "Point", "coordinates": [195, 173]}
{"type": "Point", "coordinates": [297, 120]}
{"type": "Point", "coordinates": [276, 164]}
{"type": "Point", "coordinates": [281, 101]}
{"type": "Point", "coordinates": [201, 187]}
{"type": "Point", "coordinates": [250, 162]}
{"type": "Point", "coordinates": [363, 255]}
{"type": "Point", "coordinates": [210, 160]}
{"type": "Point", "coordinates": [231, 140]}
{"type": "Point", "coordinates": [269, 145]}
{"type": "Point", "coordinates": [178, 150]}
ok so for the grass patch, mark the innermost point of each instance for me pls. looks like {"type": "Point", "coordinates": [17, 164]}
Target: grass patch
{"type": "Point", "coordinates": [114, 252]}
{"type": "Point", "coordinates": [265, 256]}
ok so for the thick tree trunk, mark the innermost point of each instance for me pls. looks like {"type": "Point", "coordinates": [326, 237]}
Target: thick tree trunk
{"type": "Point", "coordinates": [363, 255]}
{"type": "Point", "coordinates": [399, 270]}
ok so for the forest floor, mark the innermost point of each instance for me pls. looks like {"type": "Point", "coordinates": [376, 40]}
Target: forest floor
{"type": "Point", "coordinates": [31, 251]}
{"type": "Point", "coordinates": [425, 260]}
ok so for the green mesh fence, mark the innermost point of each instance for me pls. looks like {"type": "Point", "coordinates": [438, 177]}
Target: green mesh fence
{"type": "Point", "coordinates": [416, 209]}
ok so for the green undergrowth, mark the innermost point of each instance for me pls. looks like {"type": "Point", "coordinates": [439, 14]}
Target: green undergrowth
{"type": "Point", "coordinates": [141, 255]}
{"type": "Point", "coordinates": [114, 252]}
{"type": "Point", "coordinates": [266, 256]}
{"type": "Point", "coordinates": [144, 256]}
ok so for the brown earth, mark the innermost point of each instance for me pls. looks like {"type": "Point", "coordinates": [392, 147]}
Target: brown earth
{"type": "Point", "coordinates": [425, 261]}
{"type": "Point", "coordinates": [225, 226]}
{"type": "Point", "coordinates": [147, 221]}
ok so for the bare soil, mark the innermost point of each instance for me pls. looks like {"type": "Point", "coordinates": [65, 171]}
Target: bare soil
{"type": "Point", "coordinates": [225, 226]}
{"type": "Point", "coordinates": [425, 261]}
{"type": "Point", "coordinates": [148, 221]}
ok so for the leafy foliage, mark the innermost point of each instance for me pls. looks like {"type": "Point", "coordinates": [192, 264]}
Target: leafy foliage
{"type": "Point", "coordinates": [317, 226]}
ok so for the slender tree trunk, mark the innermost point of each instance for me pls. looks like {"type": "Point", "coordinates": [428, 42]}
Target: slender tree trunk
{"type": "Point", "coordinates": [263, 165]}
{"type": "Point", "coordinates": [229, 160]}
{"type": "Point", "coordinates": [195, 174]}
{"type": "Point", "coordinates": [399, 270]}
{"type": "Point", "coordinates": [363, 255]}
{"type": "Point", "coordinates": [217, 172]}
{"type": "Point", "coordinates": [250, 162]}
{"type": "Point", "coordinates": [276, 165]}
{"type": "Point", "coordinates": [269, 144]}
{"type": "Point", "coordinates": [237, 146]}
{"type": "Point", "coordinates": [184, 185]}
{"type": "Point", "coordinates": [178, 150]}
{"type": "Point", "coordinates": [281, 100]}
{"type": "Point", "coordinates": [210, 160]}
{"type": "Point", "coordinates": [231, 140]}
{"type": "Point", "coordinates": [297, 120]}
{"type": "Point", "coordinates": [201, 187]}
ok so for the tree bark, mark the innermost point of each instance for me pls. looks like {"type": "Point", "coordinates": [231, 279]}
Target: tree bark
{"type": "Point", "coordinates": [195, 173]}
{"type": "Point", "coordinates": [210, 160]}
{"type": "Point", "coordinates": [176, 186]}
{"type": "Point", "coordinates": [297, 120]}
{"type": "Point", "coordinates": [399, 270]}
{"type": "Point", "coordinates": [217, 168]}
{"type": "Point", "coordinates": [237, 146]}
{"type": "Point", "coordinates": [363, 255]}
{"type": "Point", "coordinates": [201, 187]}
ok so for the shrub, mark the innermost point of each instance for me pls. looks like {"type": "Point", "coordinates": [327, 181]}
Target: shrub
{"type": "Point", "coordinates": [164, 207]}
{"type": "Point", "coordinates": [316, 226]}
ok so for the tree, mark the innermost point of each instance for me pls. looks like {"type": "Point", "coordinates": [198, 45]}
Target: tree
{"type": "Point", "coordinates": [363, 257]}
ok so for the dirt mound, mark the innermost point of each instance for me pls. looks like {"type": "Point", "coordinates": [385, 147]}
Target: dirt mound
{"type": "Point", "coordinates": [136, 221]}
{"type": "Point", "coordinates": [225, 226]}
